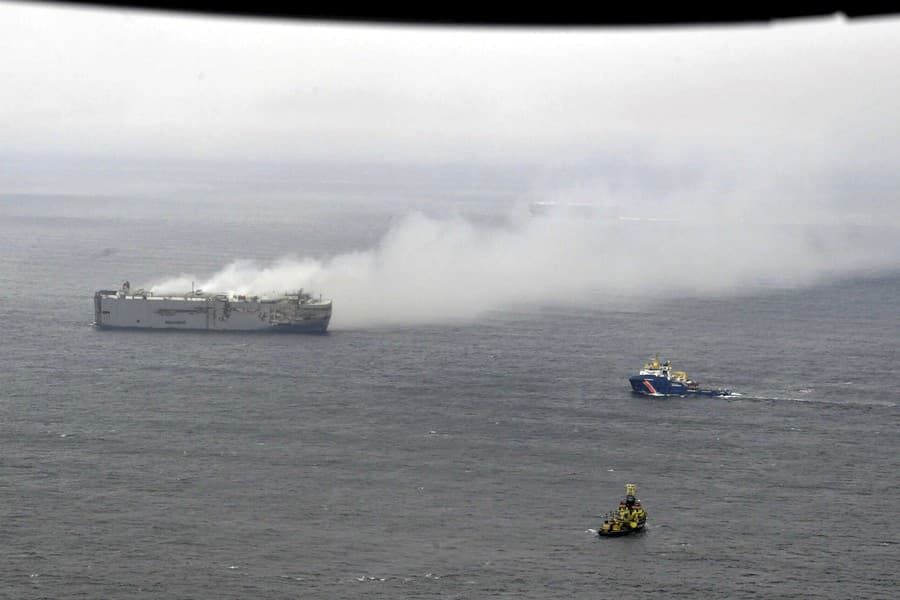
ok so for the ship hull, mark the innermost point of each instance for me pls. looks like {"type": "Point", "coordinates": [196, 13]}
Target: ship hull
{"type": "Point", "coordinates": [313, 328]}
{"type": "Point", "coordinates": [209, 314]}
{"type": "Point", "coordinates": [620, 532]}
{"type": "Point", "coordinates": [607, 530]}
{"type": "Point", "coordinates": [649, 385]}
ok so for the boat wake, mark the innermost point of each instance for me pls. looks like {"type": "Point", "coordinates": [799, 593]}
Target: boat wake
{"type": "Point", "coordinates": [814, 400]}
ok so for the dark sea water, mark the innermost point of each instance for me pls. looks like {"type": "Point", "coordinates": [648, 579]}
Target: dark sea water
{"type": "Point", "coordinates": [441, 461]}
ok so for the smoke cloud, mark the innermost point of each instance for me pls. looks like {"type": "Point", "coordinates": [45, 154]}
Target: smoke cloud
{"type": "Point", "coordinates": [435, 270]}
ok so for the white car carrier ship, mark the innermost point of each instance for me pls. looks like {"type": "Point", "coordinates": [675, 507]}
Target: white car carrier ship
{"type": "Point", "coordinates": [142, 309]}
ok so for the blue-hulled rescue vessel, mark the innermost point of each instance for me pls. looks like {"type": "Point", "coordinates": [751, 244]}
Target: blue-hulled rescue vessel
{"type": "Point", "coordinates": [659, 379]}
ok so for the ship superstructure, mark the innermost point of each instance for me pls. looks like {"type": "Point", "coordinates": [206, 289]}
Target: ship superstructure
{"type": "Point", "coordinates": [196, 310]}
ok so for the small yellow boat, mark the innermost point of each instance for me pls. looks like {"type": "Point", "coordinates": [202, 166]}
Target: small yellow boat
{"type": "Point", "coordinates": [628, 518]}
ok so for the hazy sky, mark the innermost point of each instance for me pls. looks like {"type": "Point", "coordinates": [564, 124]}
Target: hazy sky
{"type": "Point", "coordinates": [762, 125]}
{"type": "Point", "coordinates": [128, 83]}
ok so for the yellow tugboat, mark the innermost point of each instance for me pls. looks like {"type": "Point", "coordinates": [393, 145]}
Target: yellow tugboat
{"type": "Point", "coordinates": [629, 517]}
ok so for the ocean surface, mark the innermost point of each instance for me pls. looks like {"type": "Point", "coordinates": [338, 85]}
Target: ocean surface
{"type": "Point", "coordinates": [465, 460]}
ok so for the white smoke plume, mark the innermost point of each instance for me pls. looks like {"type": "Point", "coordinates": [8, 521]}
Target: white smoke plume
{"type": "Point", "coordinates": [434, 270]}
